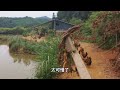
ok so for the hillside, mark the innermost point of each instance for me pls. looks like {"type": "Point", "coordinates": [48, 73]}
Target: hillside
{"type": "Point", "coordinates": [67, 15]}
{"type": "Point", "coordinates": [9, 22]}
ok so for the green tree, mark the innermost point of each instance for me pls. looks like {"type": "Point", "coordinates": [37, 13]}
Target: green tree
{"type": "Point", "coordinates": [75, 21]}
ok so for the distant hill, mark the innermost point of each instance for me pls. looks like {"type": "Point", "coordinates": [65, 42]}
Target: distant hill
{"type": "Point", "coordinates": [42, 19]}
{"type": "Point", "coordinates": [10, 22]}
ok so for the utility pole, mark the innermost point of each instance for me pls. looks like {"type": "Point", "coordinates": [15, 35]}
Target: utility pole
{"type": "Point", "coordinates": [54, 24]}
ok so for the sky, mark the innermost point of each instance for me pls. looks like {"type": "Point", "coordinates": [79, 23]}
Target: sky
{"type": "Point", "coordinates": [27, 13]}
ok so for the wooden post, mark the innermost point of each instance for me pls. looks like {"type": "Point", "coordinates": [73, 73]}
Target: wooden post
{"type": "Point", "coordinates": [82, 70]}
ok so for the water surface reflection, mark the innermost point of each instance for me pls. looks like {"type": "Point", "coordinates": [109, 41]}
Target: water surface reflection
{"type": "Point", "coordinates": [16, 66]}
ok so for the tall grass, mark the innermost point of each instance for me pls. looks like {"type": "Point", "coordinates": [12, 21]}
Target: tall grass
{"type": "Point", "coordinates": [48, 55]}
{"type": "Point", "coordinates": [45, 51]}
{"type": "Point", "coordinates": [19, 45]}
{"type": "Point", "coordinates": [15, 30]}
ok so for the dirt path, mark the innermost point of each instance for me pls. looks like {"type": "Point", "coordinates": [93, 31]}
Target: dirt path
{"type": "Point", "coordinates": [100, 68]}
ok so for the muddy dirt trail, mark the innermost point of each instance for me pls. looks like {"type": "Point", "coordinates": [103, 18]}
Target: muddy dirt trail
{"type": "Point", "coordinates": [100, 68]}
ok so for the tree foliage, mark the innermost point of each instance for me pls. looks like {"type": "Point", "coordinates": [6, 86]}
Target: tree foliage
{"type": "Point", "coordinates": [68, 15]}
{"type": "Point", "coordinates": [8, 22]}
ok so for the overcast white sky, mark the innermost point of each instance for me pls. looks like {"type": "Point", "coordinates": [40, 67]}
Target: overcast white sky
{"type": "Point", "coordinates": [27, 13]}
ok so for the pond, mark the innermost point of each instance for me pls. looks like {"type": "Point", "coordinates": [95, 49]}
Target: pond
{"type": "Point", "coordinates": [16, 66]}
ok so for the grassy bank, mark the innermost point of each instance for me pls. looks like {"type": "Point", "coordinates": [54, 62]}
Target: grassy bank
{"type": "Point", "coordinates": [14, 31]}
{"type": "Point", "coordinates": [6, 39]}
{"type": "Point", "coordinates": [46, 53]}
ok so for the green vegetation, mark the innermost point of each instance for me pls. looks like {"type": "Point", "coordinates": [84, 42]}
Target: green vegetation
{"type": "Point", "coordinates": [19, 45]}
{"type": "Point", "coordinates": [75, 21]}
{"type": "Point", "coordinates": [86, 30]}
{"type": "Point", "coordinates": [4, 39]}
{"type": "Point", "coordinates": [48, 54]}
{"type": "Point", "coordinates": [67, 15]}
{"type": "Point", "coordinates": [103, 26]}
{"type": "Point", "coordinates": [45, 51]}
{"type": "Point", "coordinates": [6, 22]}
{"type": "Point", "coordinates": [99, 27]}
{"type": "Point", "coordinates": [14, 31]}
